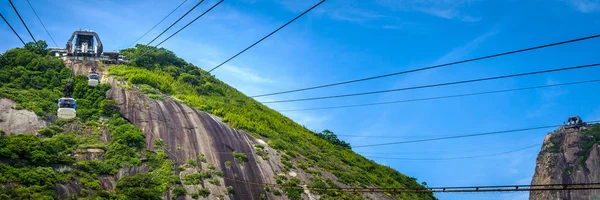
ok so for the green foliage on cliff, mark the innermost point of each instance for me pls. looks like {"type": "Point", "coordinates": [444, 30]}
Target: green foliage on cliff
{"type": "Point", "coordinates": [36, 82]}
{"type": "Point", "coordinates": [162, 70]}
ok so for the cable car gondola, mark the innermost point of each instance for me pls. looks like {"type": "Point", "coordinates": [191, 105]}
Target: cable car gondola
{"type": "Point", "coordinates": [93, 79]}
{"type": "Point", "coordinates": [67, 105]}
{"type": "Point", "coordinates": [66, 108]}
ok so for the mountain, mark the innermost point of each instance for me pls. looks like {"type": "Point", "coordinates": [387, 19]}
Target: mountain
{"type": "Point", "coordinates": [569, 155]}
{"type": "Point", "coordinates": [162, 128]}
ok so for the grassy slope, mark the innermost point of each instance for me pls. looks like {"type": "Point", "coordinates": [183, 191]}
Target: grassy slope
{"type": "Point", "coordinates": [162, 70]}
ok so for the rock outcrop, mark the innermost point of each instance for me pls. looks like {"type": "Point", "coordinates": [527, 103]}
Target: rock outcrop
{"type": "Point", "coordinates": [564, 159]}
{"type": "Point", "coordinates": [189, 134]}
{"type": "Point", "coordinates": [18, 121]}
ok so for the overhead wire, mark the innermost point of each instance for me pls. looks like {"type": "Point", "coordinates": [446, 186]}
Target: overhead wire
{"type": "Point", "coordinates": [24, 24]}
{"type": "Point", "coordinates": [450, 189]}
{"type": "Point", "coordinates": [11, 28]}
{"type": "Point", "coordinates": [442, 97]}
{"type": "Point", "coordinates": [173, 24]}
{"type": "Point", "coordinates": [147, 50]}
{"type": "Point", "coordinates": [432, 67]}
{"type": "Point", "coordinates": [455, 158]}
{"type": "Point", "coordinates": [435, 85]}
{"type": "Point", "coordinates": [38, 17]}
{"type": "Point", "coordinates": [163, 19]}
{"type": "Point", "coordinates": [460, 136]}
{"type": "Point", "coordinates": [268, 35]}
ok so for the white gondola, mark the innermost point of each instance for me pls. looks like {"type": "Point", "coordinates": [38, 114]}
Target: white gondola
{"type": "Point", "coordinates": [93, 79]}
{"type": "Point", "coordinates": [66, 108]}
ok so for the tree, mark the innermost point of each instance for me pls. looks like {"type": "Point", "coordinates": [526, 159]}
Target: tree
{"type": "Point", "coordinates": [41, 47]}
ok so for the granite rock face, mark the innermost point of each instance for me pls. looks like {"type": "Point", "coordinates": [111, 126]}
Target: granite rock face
{"type": "Point", "coordinates": [564, 160]}
{"type": "Point", "coordinates": [18, 121]}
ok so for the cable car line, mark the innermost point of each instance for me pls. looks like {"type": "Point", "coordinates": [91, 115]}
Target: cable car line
{"type": "Point", "coordinates": [11, 28]}
{"type": "Point", "coordinates": [442, 97]}
{"type": "Point", "coordinates": [16, 11]}
{"type": "Point", "coordinates": [147, 50]}
{"type": "Point", "coordinates": [432, 67]}
{"type": "Point", "coordinates": [456, 158]}
{"type": "Point", "coordinates": [462, 136]}
{"type": "Point", "coordinates": [156, 23]}
{"type": "Point", "coordinates": [38, 17]}
{"type": "Point", "coordinates": [173, 24]}
{"type": "Point", "coordinates": [436, 85]}
{"type": "Point", "coordinates": [268, 35]}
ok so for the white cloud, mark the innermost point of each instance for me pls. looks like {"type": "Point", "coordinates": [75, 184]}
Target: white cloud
{"type": "Point", "coordinates": [245, 74]}
{"type": "Point", "coordinates": [586, 6]}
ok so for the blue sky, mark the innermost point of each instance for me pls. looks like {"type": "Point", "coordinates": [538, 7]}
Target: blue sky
{"type": "Point", "coordinates": [348, 39]}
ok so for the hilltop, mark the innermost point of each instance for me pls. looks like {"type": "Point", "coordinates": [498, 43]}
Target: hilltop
{"type": "Point", "coordinates": [160, 127]}
{"type": "Point", "coordinates": [569, 155]}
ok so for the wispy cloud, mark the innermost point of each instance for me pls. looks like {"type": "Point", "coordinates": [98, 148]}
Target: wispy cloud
{"type": "Point", "coordinates": [461, 51]}
{"type": "Point", "coordinates": [447, 9]}
{"type": "Point", "coordinates": [586, 6]}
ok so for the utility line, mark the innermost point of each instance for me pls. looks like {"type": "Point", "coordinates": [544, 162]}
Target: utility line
{"type": "Point", "coordinates": [173, 24]}
{"type": "Point", "coordinates": [460, 136]}
{"type": "Point", "coordinates": [35, 41]}
{"type": "Point", "coordinates": [147, 50]}
{"type": "Point", "coordinates": [442, 97]}
{"type": "Point", "coordinates": [436, 85]}
{"type": "Point", "coordinates": [289, 22]}
{"type": "Point", "coordinates": [38, 17]}
{"type": "Point", "coordinates": [451, 189]}
{"type": "Point", "coordinates": [156, 23]}
{"type": "Point", "coordinates": [456, 158]}
{"type": "Point", "coordinates": [432, 67]}
{"type": "Point", "coordinates": [11, 28]}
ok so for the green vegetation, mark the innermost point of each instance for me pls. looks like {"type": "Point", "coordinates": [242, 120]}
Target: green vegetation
{"type": "Point", "coordinates": [594, 132]}
{"type": "Point", "coordinates": [229, 190]}
{"type": "Point", "coordinates": [179, 191]}
{"type": "Point", "coordinates": [292, 188]}
{"type": "Point", "coordinates": [36, 82]}
{"type": "Point", "coordinates": [215, 182]}
{"type": "Point", "coordinates": [228, 163]}
{"type": "Point", "coordinates": [202, 158]}
{"type": "Point", "coordinates": [192, 162]}
{"type": "Point", "coordinates": [171, 75]}
{"type": "Point", "coordinates": [204, 192]}
{"type": "Point", "coordinates": [240, 157]}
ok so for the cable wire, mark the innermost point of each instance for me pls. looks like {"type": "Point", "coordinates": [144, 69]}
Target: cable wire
{"type": "Point", "coordinates": [173, 24]}
{"type": "Point", "coordinates": [436, 85]}
{"type": "Point", "coordinates": [38, 17]}
{"type": "Point", "coordinates": [289, 22]}
{"type": "Point", "coordinates": [432, 67]}
{"type": "Point", "coordinates": [11, 28]}
{"type": "Point", "coordinates": [458, 158]}
{"type": "Point", "coordinates": [443, 97]}
{"type": "Point", "coordinates": [35, 41]}
{"type": "Point", "coordinates": [461, 136]}
{"type": "Point", "coordinates": [157, 23]}
{"type": "Point", "coordinates": [147, 50]}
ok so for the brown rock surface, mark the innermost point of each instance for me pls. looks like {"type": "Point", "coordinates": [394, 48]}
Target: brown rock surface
{"type": "Point", "coordinates": [563, 160]}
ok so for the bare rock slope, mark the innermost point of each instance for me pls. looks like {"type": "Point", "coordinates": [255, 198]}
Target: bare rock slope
{"type": "Point", "coordinates": [189, 134]}
{"type": "Point", "coordinates": [563, 160]}
{"type": "Point", "coordinates": [18, 121]}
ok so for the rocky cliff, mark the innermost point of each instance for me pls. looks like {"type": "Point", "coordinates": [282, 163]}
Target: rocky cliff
{"type": "Point", "coordinates": [18, 120]}
{"type": "Point", "coordinates": [189, 134]}
{"type": "Point", "coordinates": [568, 156]}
